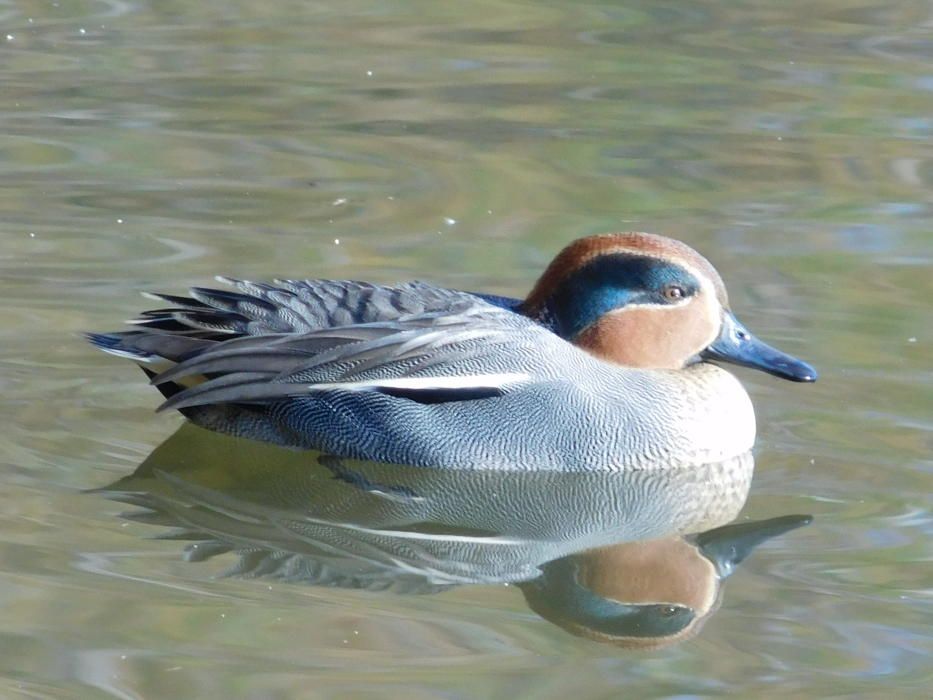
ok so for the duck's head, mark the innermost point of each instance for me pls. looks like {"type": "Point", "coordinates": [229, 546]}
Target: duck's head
{"type": "Point", "coordinates": [642, 300]}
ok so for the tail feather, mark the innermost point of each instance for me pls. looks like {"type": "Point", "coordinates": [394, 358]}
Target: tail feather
{"type": "Point", "coordinates": [148, 347]}
{"type": "Point", "coordinates": [116, 344]}
{"type": "Point", "coordinates": [180, 302]}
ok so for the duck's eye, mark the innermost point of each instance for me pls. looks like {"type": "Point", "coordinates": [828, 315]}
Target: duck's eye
{"type": "Point", "coordinates": [672, 292]}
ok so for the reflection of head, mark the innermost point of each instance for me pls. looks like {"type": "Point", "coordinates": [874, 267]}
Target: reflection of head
{"type": "Point", "coordinates": [650, 594]}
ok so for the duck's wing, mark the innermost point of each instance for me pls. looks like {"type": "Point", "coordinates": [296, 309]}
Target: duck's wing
{"type": "Point", "coordinates": [293, 306]}
{"type": "Point", "coordinates": [476, 351]}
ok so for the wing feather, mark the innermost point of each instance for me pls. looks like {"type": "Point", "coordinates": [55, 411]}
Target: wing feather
{"type": "Point", "coordinates": [397, 359]}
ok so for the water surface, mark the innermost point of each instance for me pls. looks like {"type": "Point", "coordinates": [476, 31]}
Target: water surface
{"type": "Point", "coordinates": [154, 145]}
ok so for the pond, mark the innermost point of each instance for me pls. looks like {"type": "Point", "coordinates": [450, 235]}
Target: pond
{"type": "Point", "coordinates": [150, 146]}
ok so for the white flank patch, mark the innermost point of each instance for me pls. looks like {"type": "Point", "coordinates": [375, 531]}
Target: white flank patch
{"type": "Point", "coordinates": [476, 381]}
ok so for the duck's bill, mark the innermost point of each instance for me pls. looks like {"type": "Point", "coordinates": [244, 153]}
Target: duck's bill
{"type": "Point", "coordinates": [727, 546]}
{"type": "Point", "coordinates": [736, 345]}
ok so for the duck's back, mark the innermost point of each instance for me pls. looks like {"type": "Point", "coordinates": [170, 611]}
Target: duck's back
{"type": "Point", "coordinates": [297, 306]}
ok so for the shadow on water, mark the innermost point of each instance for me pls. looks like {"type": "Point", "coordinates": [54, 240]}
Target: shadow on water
{"type": "Point", "coordinates": [632, 558]}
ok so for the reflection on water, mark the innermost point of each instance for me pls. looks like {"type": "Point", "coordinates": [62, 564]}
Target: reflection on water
{"type": "Point", "coordinates": [636, 558]}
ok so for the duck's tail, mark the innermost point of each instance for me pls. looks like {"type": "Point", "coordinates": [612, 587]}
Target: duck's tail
{"type": "Point", "coordinates": [154, 353]}
{"type": "Point", "coordinates": [148, 348]}
{"type": "Point", "coordinates": [187, 327]}
{"type": "Point", "coordinates": [157, 352]}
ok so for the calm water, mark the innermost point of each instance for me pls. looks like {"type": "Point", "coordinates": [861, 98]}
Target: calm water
{"type": "Point", "coordinates": [154, 145]}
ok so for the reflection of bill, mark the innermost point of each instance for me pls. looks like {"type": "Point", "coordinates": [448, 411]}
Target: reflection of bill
{"type": "Point", "coordinates": [608, 556]}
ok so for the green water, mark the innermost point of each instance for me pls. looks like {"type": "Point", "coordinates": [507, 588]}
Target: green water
{"type": "Point", "coordinates": [154, 145]}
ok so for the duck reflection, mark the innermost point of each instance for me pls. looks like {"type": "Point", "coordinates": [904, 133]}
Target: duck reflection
{"type": "Point", "coordinates": [613, 557]}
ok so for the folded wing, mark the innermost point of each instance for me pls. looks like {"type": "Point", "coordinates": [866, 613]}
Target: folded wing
{"type": "Point", "coordinates": [264, 343]}
{"type": "Point", "coordinates": [428, 358]}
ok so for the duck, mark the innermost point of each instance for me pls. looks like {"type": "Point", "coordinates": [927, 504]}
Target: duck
{"type": "Point", "coordinates": [611, 362]}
